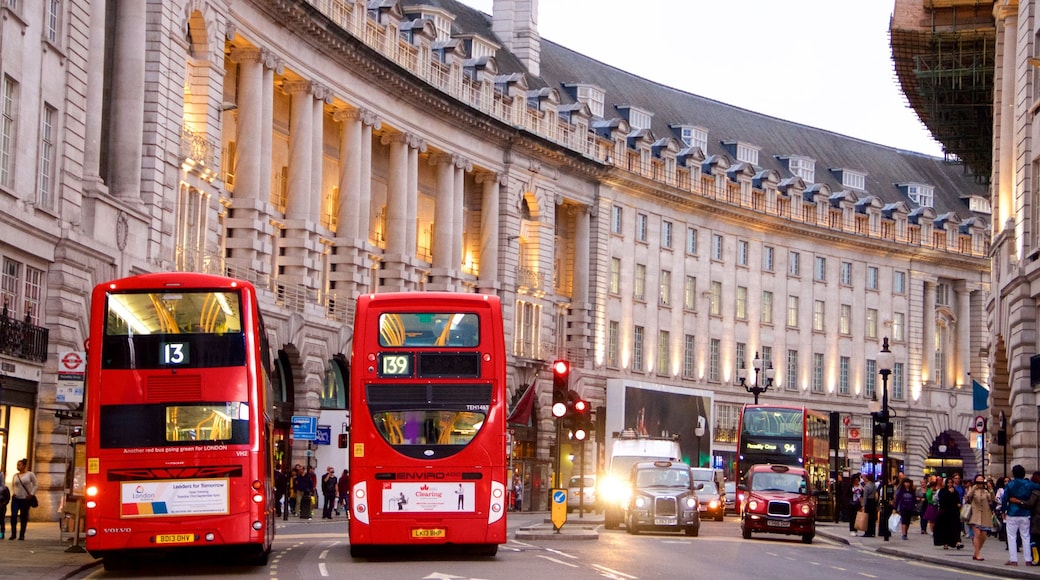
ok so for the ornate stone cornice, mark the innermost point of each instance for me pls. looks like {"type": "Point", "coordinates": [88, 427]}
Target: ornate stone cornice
{"type": "Point", "coordinates": [241, 54]}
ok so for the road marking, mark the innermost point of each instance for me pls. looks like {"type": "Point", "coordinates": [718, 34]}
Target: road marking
{"type": "Point", "coordinates": [867, 575]}
{"type": "Point", "coordinates": [613, 572]}
{"type": "Point", "coordinates": [564, 554]}
{"type": "Point", "coordinates": [557, 561]}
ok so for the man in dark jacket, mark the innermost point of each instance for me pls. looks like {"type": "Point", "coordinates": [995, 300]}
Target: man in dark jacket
{"type": "Point", "coordinates": [328, 492]}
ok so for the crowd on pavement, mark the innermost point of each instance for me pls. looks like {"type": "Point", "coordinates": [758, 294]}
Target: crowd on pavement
{"type": "Point", "coordinates": [951, 512]}
{"type": "Point", "coordinates": [296, 492]}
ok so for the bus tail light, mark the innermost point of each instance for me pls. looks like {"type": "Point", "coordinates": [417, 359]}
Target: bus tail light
{"type": "Point", "coordinates": [258, 526]}
{"type": "Point", "coordinates": [497, 507]}
{"type": "Point", "coordinates": [258, 495]}
{"type": "Point", "coordinates": [361, 502]}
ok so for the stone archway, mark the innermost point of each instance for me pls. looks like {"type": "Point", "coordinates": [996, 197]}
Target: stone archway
{"type": "Point", "coordinates": [950, 452]}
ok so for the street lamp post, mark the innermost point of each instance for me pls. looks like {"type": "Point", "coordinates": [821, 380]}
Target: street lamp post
{"type": "Point", "coordinates": [885, 362]}
{"type": "Point", "coordinates": [756, 389]}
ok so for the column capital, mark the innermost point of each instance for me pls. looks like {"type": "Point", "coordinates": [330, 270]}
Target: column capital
{"type": "Point", "coordinates": [462, 163]}
{"type": "Point", "coordinates": [296, 87]}
{"type": "Point", "coordinates": [485, 176]}
{"type": "Point", "coordinates": [321, 92]}
{"type": "Point", "coordinates": [416, 142]}
{"type": "Point", "coordinates": [389, 138]}
{"type": "Point", "coordinates": [273, 61]}
{"type": "Point", "coordinates": [243, 54]}
{"type": "Point", "coordinates": [371, 119]}
{"type": "Point", "coordinates": [347, 114]}
{"type": "Point", "coordinates": [436, 159]}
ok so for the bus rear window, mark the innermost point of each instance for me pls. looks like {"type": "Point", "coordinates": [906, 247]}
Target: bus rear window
{"type": "Point", "coordinates": [429, 329]}
{"type": "Point", "coordinates": [173, 424]}
{"type": "Point", "coordinates": [428, 427]}
{"type": "Point", "coordinates": [173, 312]}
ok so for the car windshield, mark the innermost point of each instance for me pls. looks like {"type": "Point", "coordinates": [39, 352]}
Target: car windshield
{"type": "Point", "coordinates": [663, 477]}
{"type": "Point", "coordinates": [576, 482]}
{"type": "Point", "coordinates": [708, 489]}
{"type": "Point", "coordinates": [731, 487]}
{"type": "Point", "coordinates": [770, 481]}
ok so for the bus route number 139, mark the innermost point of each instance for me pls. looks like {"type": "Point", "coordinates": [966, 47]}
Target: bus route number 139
{"type": "Point", "coordinates": [395, 365]}
{"type": "Point", "coordinates": [174, 353]}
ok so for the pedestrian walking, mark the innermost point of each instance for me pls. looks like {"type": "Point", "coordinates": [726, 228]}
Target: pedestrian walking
{"type": "Point", "coordinates": [980, 497]}
{"type": "Point", "coordinates": [23, 489]}
{"type": "Point", "coordinates": [305, 490]}
{"type": "Point", "coordinates": [931, 512]}
{"type": "Point", "coordinates": [280, 487]}
{"type": "Point", "coordinates": [948, 522]}
{"type": "Point", "coordinates": [905, 504]}
{"type": "Point", "coordinates": [921, 505]}
{"type": "Point", "coordinates": [329, 489]}
{"type": "Point", "coordinates": [518, 493]}
{"type": "Point", "coordinates": [290, 491]}
{"type": "Point", "coordinates": [343, 487]}
{"type": "Point", "coordinates": [855, 498]}
{"type": "Point", "coordinates": [869, 502]}
{"type": "Point", "coordinates": [999, 509]}
{"type": "Point", "coordinates": [1016, 505]}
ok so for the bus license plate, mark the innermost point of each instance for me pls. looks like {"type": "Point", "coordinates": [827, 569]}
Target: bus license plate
{"type": "Point", "coordinates": [175, 538]}
{"type": "Point", "coordinates": [778, 523]}
{"type": "Point", "coordinates": [428, 533]}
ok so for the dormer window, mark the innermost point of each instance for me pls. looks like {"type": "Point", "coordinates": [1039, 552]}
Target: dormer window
{"type": "Point", "coordinates": [802, 167]}
{"type": "Point", "coordinates": [478, 46]}
{"type": "Point", "coordinates": [637, 118]}
{"type": "Point", "coordinates": [693, 136]}
{"type": "Point", "coordinates": [853, 179]}
{"type": "Point", "coordinates": [921, 194]}
{"type": "Point", "coordinates": [741, 151]}
{"type": "Point", "coordinates": [441, 20]}
{"type": "Point", "coordinates": [590, 95]}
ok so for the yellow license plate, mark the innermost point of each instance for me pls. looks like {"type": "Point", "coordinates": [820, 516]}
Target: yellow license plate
{"type": "Point", "coordinates": [174, 538]}
{"type": "Point", "coordinates": [428, 533]}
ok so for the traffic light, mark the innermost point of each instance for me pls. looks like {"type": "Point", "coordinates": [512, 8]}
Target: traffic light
{"type": "Point", "coordinates": [580, 423]}
{"type": "Point", "coordinates": [561, 381]}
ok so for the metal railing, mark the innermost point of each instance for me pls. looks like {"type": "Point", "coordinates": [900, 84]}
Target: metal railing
{"type": "Point", "coordinates": [23, 340]}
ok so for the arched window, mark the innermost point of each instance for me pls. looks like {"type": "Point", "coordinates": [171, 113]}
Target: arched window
{"type": "Point", "coordinates": [334, 388]}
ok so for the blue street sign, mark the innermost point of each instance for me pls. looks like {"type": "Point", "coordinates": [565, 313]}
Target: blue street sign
{"type": "Point", "coordinates": [304, 428]}
{"type": "Point", "coordinates": [559, 496]}
{"type": "Point", "coordinates": [324, 435]}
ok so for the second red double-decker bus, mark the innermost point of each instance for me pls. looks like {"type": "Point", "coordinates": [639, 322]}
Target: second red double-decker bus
{"type": "Point", "coordinates": [794, 436]}
{"type": "Point", "coordinates": [178, 439]}
{"type": "Point", "coordinates": [428, 437]}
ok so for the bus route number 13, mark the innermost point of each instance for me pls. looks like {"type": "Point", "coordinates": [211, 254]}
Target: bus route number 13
{"type": "Point", "coordinates": [174, 353]}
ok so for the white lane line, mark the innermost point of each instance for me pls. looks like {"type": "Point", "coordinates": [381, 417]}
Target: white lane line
{"type": "Point", "coordinates": [557, 561]}
{"type": "Point", "coordinates": [612, 571]}
{"type": "Point", "coordinates": [323, 569]}
{"type": "Point", "coordinates": [559, 553]}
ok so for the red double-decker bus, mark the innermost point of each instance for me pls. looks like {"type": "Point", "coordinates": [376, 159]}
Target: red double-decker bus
{"type": "Point", "coordinates": [178, 436]}
{"type": "Point", "coordinates": [780, 435]}
{"type": "Point", "coordinates": [428, 422]}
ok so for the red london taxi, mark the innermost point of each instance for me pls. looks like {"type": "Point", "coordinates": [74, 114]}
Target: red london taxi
{"type": "Point", "coordinates": [778, 500]}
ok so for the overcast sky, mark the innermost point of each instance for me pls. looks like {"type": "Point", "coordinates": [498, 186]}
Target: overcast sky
{"type": "Point", "coordinates": [822, 63]}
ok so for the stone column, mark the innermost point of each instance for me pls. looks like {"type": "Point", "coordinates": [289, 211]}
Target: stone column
{"type": "Point", "coordinates": [415, 145]}
{"type": "Point", "coordinates": [443, 232]}
{"type": "Point", "coordinates": [369, 122]}
{"type": "Point", "coordinates": [580, 290]}
{"type": "Point", "coordinates": [963, 333]}
{"type": "Point", "coordinates": [1004, 210]}
{"type": "Point", "coordinates": [489, 220]}
{"type": "Point", "coordinates": [397, 196]}
{"type": "Point", "coordinates": [126, 126]}
{"type": "Point", "coordinates": [249, 122]}
{"type": "Point", "coordinates": [95, 91]}
{"type": "Point", "coordinates": [322, 95]}
{"type": "Point", "coordinates": [272, 65]}
{"type": "Point", "coordinates": [459, 207]}
{"type": "Point", "coordinates": [301, 120]}
{"type": "Point", "coordinates": [349, 205]}
{"type": "Point", "coordinates": [928, 334]}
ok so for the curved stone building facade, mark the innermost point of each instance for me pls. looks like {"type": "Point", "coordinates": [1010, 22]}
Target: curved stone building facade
{"type": "Point", "coordinates": [326, 148]}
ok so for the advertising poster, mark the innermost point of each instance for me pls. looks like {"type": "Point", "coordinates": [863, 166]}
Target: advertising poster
{"type": "Point", "coordinates": [428, 497]}
{"type": "Point", "coordinates": [664, 411]}
{"type": "Point", "coordinates": [182, 497]}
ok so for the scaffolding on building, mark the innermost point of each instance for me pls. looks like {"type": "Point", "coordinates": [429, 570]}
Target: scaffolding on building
{"type": "Point", "coordinates": [944, 55]}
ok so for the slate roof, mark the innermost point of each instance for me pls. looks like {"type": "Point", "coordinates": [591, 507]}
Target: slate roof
{"type": "Point", "coordinates": [884, 165]}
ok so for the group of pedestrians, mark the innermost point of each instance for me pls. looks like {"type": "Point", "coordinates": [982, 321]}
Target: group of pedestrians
{"type": "Point", "coordinates": [949, 510]}
{"type": "Point", "coordinates": [296, 492]}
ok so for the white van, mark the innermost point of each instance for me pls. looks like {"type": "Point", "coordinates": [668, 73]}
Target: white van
{"type": "Point", "coordinates": [627, 449]}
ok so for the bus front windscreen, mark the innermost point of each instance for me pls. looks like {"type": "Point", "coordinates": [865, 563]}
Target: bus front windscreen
{"type": "Point", "coordinates": [772, 436]}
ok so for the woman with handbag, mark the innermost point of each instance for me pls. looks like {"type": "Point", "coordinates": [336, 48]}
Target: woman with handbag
{"type": "Point", "coordinates": [980, 498]}
{"type": "Point", "coordinates": [948, 523]}
{"type": "Point", "coordinates": [23, 494]}
{"type": "Point", "coordinates": [856, 493]}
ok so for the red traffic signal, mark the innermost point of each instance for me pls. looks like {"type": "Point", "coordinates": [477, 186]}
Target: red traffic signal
{"type": "Point", "coordinates": [561, 380]}
{"type": "Point", "coordinates": [581, 407]}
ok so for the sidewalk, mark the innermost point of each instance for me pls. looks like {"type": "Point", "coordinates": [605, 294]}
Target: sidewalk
{"type": "Point", "coordinates": [918, 546]}
{"type": "Point", "coordinates": [42, 554]}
